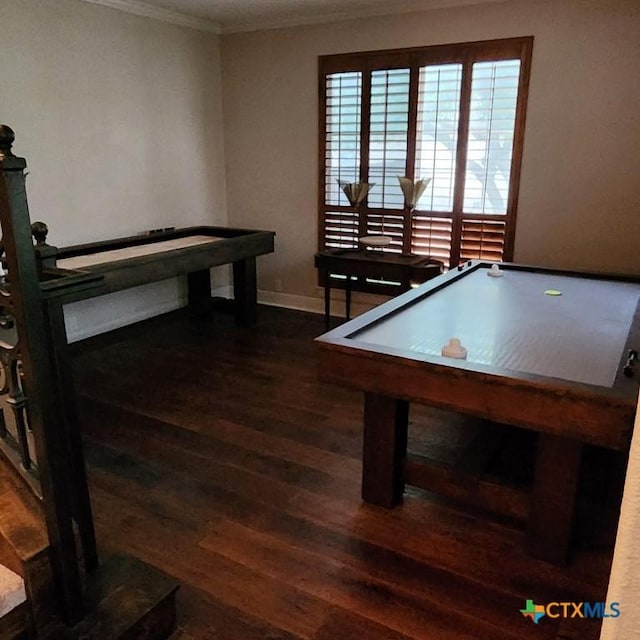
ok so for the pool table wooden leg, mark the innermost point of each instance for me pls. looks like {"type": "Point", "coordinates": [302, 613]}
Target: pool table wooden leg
{"type": "Point", "coordinates": [245, 291]}
{"type": "Point", "coordinates": [385, 448]}
{"type": "Point", "coordinates": [553, 501]}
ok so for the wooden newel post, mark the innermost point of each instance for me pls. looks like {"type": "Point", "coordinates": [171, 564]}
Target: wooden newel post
{"type": "Point", "coordinates": [45, 253]}
{"type": "Point", "coordinates": [34, 349]}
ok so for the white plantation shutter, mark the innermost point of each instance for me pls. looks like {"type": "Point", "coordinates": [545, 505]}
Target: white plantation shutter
{"type": "Point", "coordinates": [494, 93]}
{"type": "Point", "coordinates": [342, 128]}
{"type": "Point", "coordinates": [342, 133]}
{"type": "Point", "coordinates": [387, 224]}
{"type": "Point", "coordinates": [432, 237]}
{"type": "Point", "coordinates": [340, 229]}
{"type": "Point", "coordinates": [437, 134]}
{"type": "Point", "coordinates": [451, 113]}
{"type": "Point", "coordinates": [482, 239]}
{"type": "Point", "coordinates": [388, 125]}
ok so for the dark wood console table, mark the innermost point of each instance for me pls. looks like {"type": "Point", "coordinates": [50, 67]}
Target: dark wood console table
{"type": "Point", "coordinates": [399, 270]}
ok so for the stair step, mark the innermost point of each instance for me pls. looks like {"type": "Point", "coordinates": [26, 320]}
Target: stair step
{"type": "Point", "coordinates": [14, 625]}
{"type": "Point", "coordinates": [128, 599]}
{"type": "Point", "coordinates": [24, 546]}
{"type": "Point", "coordinates": [13, 606]}
{"type": "Point", "coordinates": [23, 532]}
{"type": "Point", "coordinates": [125, 598]}
{"type": "Point", "coordinates": [11, 590]}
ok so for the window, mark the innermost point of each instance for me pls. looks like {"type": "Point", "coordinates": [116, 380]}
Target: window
{"type": "Point", "coordinates": [453, 114]}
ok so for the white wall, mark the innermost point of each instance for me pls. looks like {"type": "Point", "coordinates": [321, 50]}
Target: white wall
{"type": "Point", "coordinates": [580, 189]}
{"type": "Point", "coordinates": [120, 120]}
{"type": "Point", "coordinates": [624, 584]}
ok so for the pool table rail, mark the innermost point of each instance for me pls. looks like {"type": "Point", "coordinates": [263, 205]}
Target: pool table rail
{"type": "Point", "coordinates": [479, 388]}
{"type": "Point", "coordinates": [595, 415]}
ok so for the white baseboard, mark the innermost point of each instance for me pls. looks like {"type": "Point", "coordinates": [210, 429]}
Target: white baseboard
{"type": "Point", "coordinates": [80, 332]}
{"type": "Point", "coordinates": [92, 317]}
{"type": "Point", "coordinates": [291, 301]}
{"type": "Point", "coordinates": [359, 302]}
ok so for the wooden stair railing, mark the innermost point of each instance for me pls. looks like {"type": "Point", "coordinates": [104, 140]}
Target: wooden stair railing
{"type": "Point", "coordinates": [41, 447]}
{"type": "Point", "coordinates": [32, 369]}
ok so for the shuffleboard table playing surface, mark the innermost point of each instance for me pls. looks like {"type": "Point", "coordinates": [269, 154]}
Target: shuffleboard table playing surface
{"type": "Point", "coordinates": [136, 251]}
{"type": "Point", "coordinates": [546, 350]}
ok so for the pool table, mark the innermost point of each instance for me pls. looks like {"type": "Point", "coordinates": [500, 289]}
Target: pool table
{"type": "Point", "coordinates": [549, 351]}
{"type": "Point", "coordinates": [148, 257]}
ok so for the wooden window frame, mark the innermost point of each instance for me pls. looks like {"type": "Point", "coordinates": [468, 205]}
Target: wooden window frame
{"type": "Point", "coordinates": [413, 58]}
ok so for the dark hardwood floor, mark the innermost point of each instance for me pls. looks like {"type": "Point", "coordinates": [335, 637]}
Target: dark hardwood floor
{"type": "Point", "coordinates": [215, 454]}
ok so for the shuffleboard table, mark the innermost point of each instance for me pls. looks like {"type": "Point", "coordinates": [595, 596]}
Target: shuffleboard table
{"type": "Point", "coordinates": [136, 260]}
{"type": "Point", "coordinates": [549, 351]}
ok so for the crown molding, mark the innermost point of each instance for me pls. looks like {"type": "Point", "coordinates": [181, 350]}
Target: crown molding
{"type": "Point", "coordinates": [156, 13]}
{"type": "Point", "coordinates": [140, 8]}
{"type": "Point", "coordinates": [398, 7]}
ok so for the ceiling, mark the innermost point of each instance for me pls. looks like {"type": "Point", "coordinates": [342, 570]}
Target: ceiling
{"type": "Point", "coordinates": [229, 16]}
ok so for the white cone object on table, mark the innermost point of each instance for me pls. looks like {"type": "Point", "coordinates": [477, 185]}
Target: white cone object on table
{"type": "Point", "coordinates": [454, 349]}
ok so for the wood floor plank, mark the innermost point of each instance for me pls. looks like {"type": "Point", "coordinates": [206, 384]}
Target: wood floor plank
{"type": "Point", "coordinates": [345, 624]}
{"type": "Point", "coordinates": [199, 495]}
{"type": "Point", "coordinates": [231, 585]}
{"type": "Point", "coordinates": [189, 452]}
{"type": "Point", "coordinates": [437, 536]}
{"type": "Point", "coordinates": [429, 533]}
{"type": "Point", "coordinates": [340, 583]}
{"type": "Point", "coordinates": [227, 432]}
{"type": "Point", "coordinates": [449, 591]}
{"type": "Point", "coordinates": [201, 617]}
{"type": "Point", "coordinates": [214, 453]}
{"type": "Point", "coordinates": [340, 436]}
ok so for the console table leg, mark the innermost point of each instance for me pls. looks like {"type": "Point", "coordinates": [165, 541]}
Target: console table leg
{"type": "Point", "coordinates": [327, 301]}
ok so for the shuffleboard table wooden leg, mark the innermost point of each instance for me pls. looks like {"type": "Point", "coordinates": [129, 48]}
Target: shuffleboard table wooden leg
{"type": "Point", "coordinates": [553, 500]}
{"type": "Point", "coordinates": [245, 291]}
{"type": "Point", "coordinates": [385, 448]}
{"type": "Point", "coordinates": [199, 291]}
